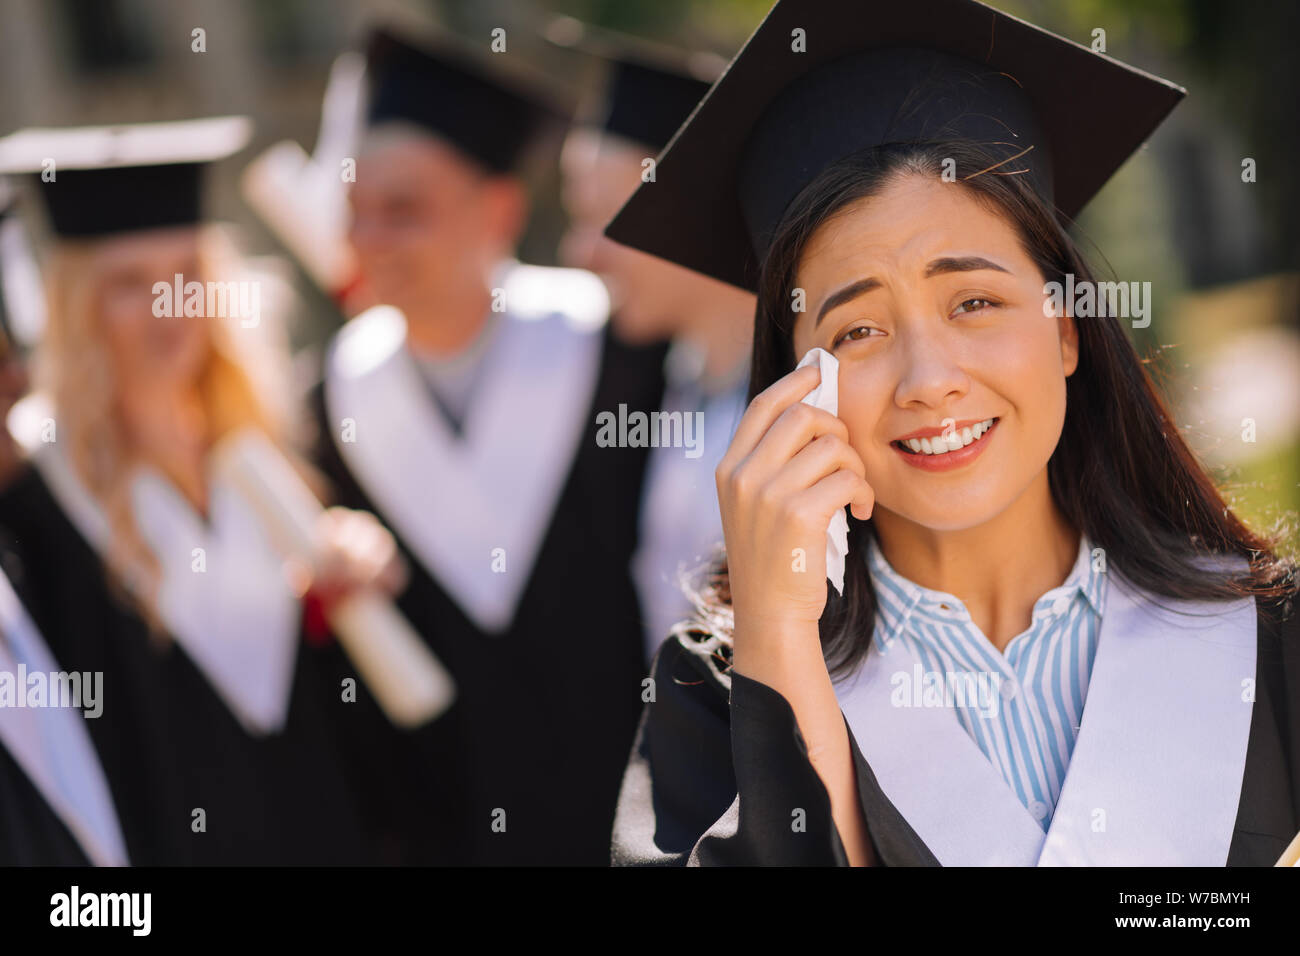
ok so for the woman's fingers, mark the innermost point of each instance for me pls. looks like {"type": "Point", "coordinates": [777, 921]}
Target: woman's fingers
{"type": "Point", "coordinates": [802, 489]}
{"type": "Point", "coordinates": [822, 456]}
{"type": "Point", "coordinates": [355, 551]}
{"type": "Point", "coordinates": [796, 427]}
{"type": "Point", "coordinates": [793, 430]}
{"type": "Point", "coordinates": [832, 493]}
{"type": "Point", "coordinates": [764, 409]}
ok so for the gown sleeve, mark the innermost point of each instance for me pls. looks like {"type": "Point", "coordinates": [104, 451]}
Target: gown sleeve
{"type": "Point", "coordinates": [1269, 812]}
{"type": "Point", "coordinates": [717, 780]}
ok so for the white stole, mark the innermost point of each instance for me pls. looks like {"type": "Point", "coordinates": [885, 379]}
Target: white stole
{"type": "Point", "coordinates": [238, 618]}
{"type": "Point", "coordinates": [1156, 773]}
{"type": "Point", "coordinates": [52, 745]}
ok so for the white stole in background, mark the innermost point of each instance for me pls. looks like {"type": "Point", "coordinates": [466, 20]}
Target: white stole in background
{"type": "Point", "coordinates": [455, 500]}
{"type": "Point", "coordinates": [238, 618]}
{"type": "Point", "coordinates": [52, 745]}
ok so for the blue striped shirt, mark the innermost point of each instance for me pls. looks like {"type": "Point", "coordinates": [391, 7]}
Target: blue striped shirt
{"type": "Point", "coordinates": [1027, 717]}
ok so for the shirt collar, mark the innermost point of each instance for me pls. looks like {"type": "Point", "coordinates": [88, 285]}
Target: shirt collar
{"type": "Point", "coordinates": [898, 598]}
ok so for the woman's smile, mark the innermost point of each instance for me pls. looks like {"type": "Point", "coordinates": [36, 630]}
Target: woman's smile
{"type": "Point", "coordinates": [954, 448]}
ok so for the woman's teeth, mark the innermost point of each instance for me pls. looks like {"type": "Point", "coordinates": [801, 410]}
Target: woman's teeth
{"type": "Point", "coordinates": [941, 445]}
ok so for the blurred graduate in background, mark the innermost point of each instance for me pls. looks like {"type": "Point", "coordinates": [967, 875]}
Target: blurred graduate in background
{"type": "Point", "coordinates": [57, 806]}
{"type": "Point", "coordinates": [462, 412]}
{"type": "Point", "coordinates": [130, 541]}
{"type": "Point", "coordinates": [648, 91]}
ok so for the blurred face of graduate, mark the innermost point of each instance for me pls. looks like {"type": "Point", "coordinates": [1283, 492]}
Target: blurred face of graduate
{"type": "Point", "coordinates": [427, 221]}
{"type": "Point", "coordinates": [143, 346]}
{"type": "Point", "coordinates": [651, 296]}
{"type": "Point", "coordinates": [953, 327]}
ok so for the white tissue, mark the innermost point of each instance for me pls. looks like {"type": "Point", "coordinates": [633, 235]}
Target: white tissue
{"type": "Point", "coordinates": [826, 396]}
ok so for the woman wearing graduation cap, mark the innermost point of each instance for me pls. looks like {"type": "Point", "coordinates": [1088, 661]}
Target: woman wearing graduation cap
{"type": "Point", "coordinates": [1028, 531]}
{"type": "Point", "coordinates": [138, 552]}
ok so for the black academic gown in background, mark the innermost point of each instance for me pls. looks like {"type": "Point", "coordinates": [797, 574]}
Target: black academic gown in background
{"type": "Point", "coordinates": [167, 743]}
{"type": "Point", "coordinates": [714, 774]}
{"type": "Point", "coordinates": [544, 720]}
{"type": "Point", "coordinates": [31, 834]}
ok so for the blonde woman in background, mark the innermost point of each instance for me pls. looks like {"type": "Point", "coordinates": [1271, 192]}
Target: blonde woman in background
{"type": "Point", "coordinates": [133, 547]}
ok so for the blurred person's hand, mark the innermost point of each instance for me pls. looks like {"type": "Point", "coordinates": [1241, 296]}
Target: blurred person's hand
{"type": "Point", "coordinates": [355, 553]}
{"type": "Point", "coordinates": [14, 383]}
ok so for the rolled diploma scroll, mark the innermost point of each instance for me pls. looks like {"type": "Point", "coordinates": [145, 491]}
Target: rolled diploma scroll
{"type": "Point", "coordinates": [1291, 855]}
{"type": "Point", "coordinates": [826, 396]}
{"type": "Point", "coordinates": [408, 681]}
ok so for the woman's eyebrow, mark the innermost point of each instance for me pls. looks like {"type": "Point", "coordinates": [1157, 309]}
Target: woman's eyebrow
{"type": "Point", "coordinates": [936, 267]}
{"type": "Point", "coordinates": [962, 264]}
{"type": "Point", "coordinates": [846, 294]}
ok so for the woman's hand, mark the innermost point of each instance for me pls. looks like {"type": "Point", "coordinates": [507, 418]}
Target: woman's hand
{"type": "Point", "coordinates": [354, 552]}
{"type": "Point", "coordinates": [788, 469]}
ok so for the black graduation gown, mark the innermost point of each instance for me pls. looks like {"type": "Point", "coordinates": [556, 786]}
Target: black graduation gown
{"type": "Point", "coordinates": [712, 776]}
{"type": "Point", "coordinates": [167, 743]}
{"type": "Point", "coordinates": [541, 729]}
{"type": "Point", "coordinates": [31, 834]}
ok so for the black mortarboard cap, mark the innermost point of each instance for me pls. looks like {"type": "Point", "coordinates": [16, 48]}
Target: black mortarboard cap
{"type": "Point", "coordinates": [650, 88]}
{"type": "Point", "coordinates": [102, 180]}
{"type": "Point", "coordinates": [876, 73]}
{"type": "Point", "coordinates": [490, 111]}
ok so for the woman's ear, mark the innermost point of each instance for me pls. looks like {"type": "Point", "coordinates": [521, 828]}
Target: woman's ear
{"type": "Point", "coordinates": [1069, 334]}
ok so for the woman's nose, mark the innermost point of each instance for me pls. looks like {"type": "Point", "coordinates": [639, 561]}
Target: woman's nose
{"type": "Point", "coordinates": [930, 368]}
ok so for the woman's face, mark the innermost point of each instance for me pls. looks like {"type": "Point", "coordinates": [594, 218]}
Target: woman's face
{"type": "Point", "coordinates": [936, 315]}
{"type": "Point", "coordinates": [145, 348]}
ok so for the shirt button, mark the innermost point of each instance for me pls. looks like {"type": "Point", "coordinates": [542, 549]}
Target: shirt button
{"type": "Point", "coordinates": [1038, 809]}
{"type": "Point", "coordinates": [1061, 605]}
{"type": "Point", "coordinates": [1010, 687]}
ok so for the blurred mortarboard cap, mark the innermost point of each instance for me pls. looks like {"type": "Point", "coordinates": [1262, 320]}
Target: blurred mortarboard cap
{"type": "Point", "coordinates": [101, 180]}
{"type": "Point", "coordinates": [874, 73]}
{"type": "Point", "coordinates": [650, 87]}
{"type": "Point", "coordinates": [491, 111]}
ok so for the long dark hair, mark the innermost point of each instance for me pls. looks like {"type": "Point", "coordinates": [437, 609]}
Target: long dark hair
{"type": "Point", "coordinates": [1121, 472]}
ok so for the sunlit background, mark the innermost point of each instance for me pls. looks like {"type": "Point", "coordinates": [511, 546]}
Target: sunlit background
{"type": "Point", "coordinates": [1222, 255]}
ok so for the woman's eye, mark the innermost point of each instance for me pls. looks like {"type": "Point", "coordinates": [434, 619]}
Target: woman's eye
{"type": "Point", "coordinates": [976, 303]}
{"type": "Point", "coordinates": [852, 335]}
